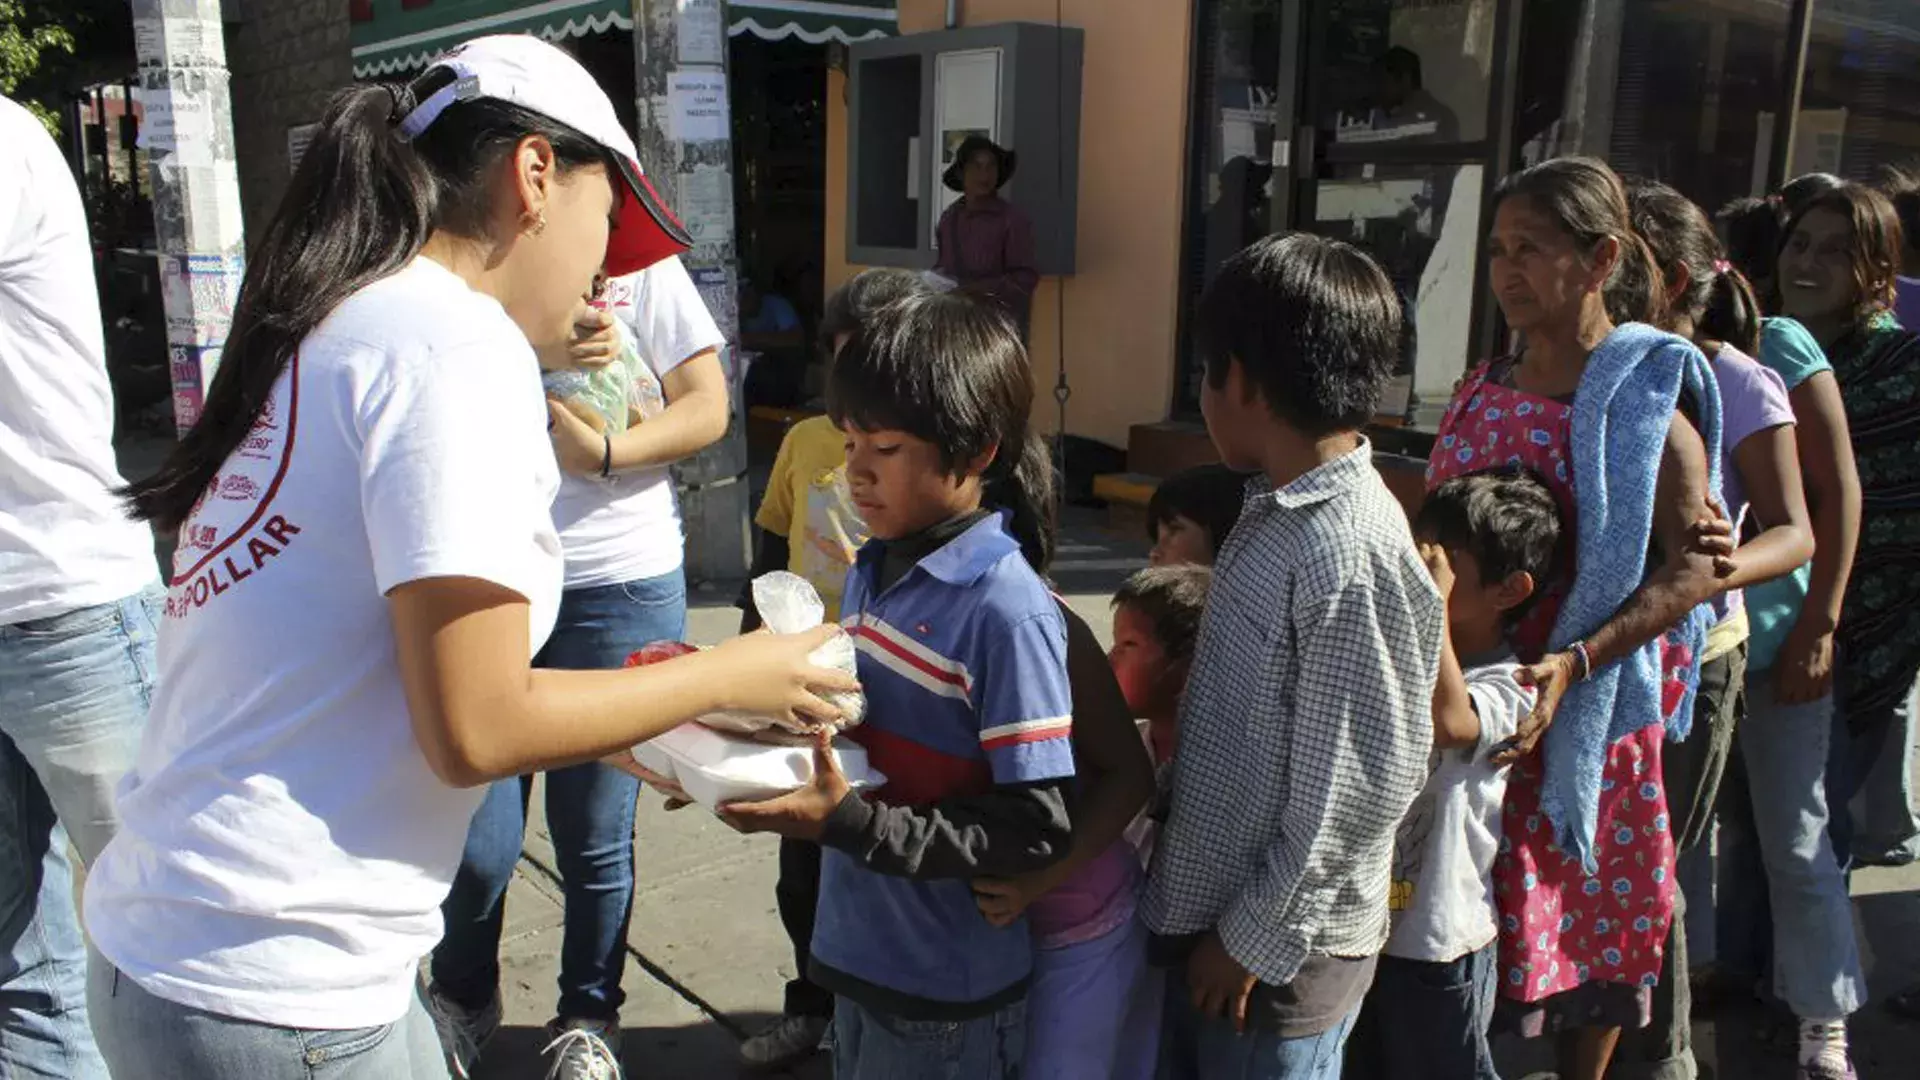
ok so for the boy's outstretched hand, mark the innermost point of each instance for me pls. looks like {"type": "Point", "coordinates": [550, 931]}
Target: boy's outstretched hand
{"type": "Point", "coordinates": [1219, 985]}
{"type": "Point", "coordinates": [800, 814]}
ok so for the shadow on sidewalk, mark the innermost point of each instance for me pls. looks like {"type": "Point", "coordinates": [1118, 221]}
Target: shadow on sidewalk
{"type": "Point", "coordinates": [705, 1051]}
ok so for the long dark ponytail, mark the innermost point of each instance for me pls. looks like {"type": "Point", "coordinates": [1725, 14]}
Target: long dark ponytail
{"type": "Point", "coordinates": [360, 205]}
{"type": "Point", "coordinates": [1717, 300]}
{"type": "Point", "coordinates": [1588, 201]}
{"type": "Point", "coordinates": [948, 369]}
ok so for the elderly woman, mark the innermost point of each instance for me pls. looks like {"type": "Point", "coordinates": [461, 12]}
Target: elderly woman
{"type": "Point", "coordinates": [986, 242]}
{"type": "Point", "coordinates": [1584, 882]}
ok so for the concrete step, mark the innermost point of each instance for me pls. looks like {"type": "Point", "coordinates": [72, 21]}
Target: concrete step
{"type": "Point", "coordinates": [1166, 447]}
{"type": "Point", "coordinates": [1132, 488]}
{"type": "Point", "coordinates": [768, 424]}
{"type": "Point", "coordinates": [1127, 495]}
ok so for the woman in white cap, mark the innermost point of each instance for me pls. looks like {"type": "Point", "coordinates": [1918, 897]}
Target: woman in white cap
{"type": "Point", "coordinates": [366, 565]}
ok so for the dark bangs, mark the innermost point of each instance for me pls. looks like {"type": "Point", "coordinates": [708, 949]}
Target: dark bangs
{"type": "Point", "coordinates": [940, 367]}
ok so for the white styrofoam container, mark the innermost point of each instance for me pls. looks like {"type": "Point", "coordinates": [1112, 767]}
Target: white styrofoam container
{"type": "Point", "coordinates": [715, 768]}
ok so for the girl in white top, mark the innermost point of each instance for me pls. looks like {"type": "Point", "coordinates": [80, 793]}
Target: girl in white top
{"type": "Point", "coordinates": [620, 536]}
{"type": "Point", "coordinates": [366, 565]}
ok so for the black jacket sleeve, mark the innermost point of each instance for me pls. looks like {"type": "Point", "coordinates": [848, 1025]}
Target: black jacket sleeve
{"type": "Point", "coordinates": [1011, 829]}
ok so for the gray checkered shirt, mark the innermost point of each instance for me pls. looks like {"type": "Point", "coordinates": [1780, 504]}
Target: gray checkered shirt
{"type": "Point", "coordinates": [1307, 725]}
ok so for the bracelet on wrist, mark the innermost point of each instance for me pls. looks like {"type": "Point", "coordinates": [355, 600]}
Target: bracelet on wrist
{"type": "Point", "coordinates": [1582, 661]}
{"type": "Point", "coordinates": [606, 456]}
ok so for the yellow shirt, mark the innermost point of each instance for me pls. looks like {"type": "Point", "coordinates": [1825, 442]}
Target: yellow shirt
{"type": "Point", "coordinates": [808, 503]}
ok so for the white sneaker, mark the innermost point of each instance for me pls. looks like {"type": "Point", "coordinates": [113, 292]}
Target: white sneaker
{"type": "Point", "coordinates": [584, 1050]}
{"type": "Point", "coordinates": [787, 1041]}
{"type": "Point", "coordinates": [1823, 1051]}
{"type": "Point", "coordinates": [463, 1032]}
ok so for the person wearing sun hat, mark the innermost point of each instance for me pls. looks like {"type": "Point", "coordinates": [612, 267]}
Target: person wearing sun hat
{"type": "Point", "coordinates": [366, 564]}
{"type": "Point", "coordinates": [985, 242]}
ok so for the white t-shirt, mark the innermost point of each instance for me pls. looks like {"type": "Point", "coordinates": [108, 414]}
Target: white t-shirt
{"type": "Point", "coordinates": [627, 527]}
{"type": "Point", "coordinates": [1443, 856]}
{"type": "Point", "coordinates": [286, 846]}
{"type": "Point", "coordinates": [65, 540]}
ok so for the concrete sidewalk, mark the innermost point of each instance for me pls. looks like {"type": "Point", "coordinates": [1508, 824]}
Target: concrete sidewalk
{"type": "Point", "coordinates": [708, 959]}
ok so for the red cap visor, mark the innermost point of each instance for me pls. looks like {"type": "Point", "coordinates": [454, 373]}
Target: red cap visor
{"type": "Point", "coordinates": [646, 231]}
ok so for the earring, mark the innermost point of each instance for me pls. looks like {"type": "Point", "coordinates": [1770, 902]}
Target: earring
{"type": "Point", "coordinates": [539, 223]}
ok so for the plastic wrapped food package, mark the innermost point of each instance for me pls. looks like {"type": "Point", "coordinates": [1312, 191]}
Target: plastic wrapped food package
{"type": "Point", "coordinates": [715, 768]}
{"type": "Point", "coordinates": [788, 604]}
{"type": "Point", "coordinates": [607, 397]}
{"type": "Point", "coordinates": [600, 397]}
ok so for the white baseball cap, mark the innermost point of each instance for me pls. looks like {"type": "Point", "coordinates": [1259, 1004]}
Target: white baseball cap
{"type": "Point", "coordinates": [532, 74]}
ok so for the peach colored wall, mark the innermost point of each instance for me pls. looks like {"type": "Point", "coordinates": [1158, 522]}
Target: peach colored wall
{"type": "Point", "coordinates": [1121, 306]}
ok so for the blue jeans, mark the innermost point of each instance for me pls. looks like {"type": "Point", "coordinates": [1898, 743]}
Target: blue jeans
{"type": "Point", "coordinates": [1196, 1047]}
{"type": "Point", "coordinates": [873, 1046]}
{"type": "Point", "coordinates": [1775, 856]}
{"type": "Point", "coordinates": [150, 1038]}
{"type": "Point", "coordinates": [74, 691]}
{"type": "Point", "coordinates": [1872, 780]}
{"type": "Point", "coordinates": [589, 813]}
{"type": "Point", "coordinates": [1427, 1018]}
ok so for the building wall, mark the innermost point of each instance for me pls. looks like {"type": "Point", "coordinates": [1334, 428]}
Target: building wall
{"type": "Point", "coordinates": [286, 57]}
{"type": "Point", "coordinates": [1121, 307]}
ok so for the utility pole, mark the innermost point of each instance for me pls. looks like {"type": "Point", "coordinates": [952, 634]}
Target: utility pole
{"type": "Point", "coordinates": [686, 146]}
{"type": "Point", "coordinates": [1786, 116]}
{"type": "Point", "coordinates": [187, 132]}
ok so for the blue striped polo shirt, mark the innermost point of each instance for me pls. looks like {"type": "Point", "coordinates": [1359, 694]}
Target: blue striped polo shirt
{"type": "Point", "coordinates": [964, 664]}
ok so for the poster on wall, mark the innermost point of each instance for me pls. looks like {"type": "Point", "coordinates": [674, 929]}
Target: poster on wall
{"type": "Point", "coordinates": [706, 204]}
{"type": "Point", "coordinates": [205, 285]}
{"type": "Point", "coordinates": [701, 30]}
{"type": "Point", "coordinates": [966, 96]}
{"type": "Point", "coordinates": [718, 294]}
{"type": "Point", "coordinates": [299, 137]}
{"type": "Point", "coordinates": [697, 105]}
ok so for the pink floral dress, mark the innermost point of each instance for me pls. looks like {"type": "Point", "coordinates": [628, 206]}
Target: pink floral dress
{"type": "Point", "coordinates": [1560, 927]}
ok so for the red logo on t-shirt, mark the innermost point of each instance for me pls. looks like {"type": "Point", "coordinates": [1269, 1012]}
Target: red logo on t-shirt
{"type": "Point", "coordinates": [230, 538]}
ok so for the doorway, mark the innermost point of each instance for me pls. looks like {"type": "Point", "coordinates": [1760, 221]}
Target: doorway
{"type": "Point", "coordinates": [1383, 123]}
{"type": "Point", "coordinates": [1404, 118]}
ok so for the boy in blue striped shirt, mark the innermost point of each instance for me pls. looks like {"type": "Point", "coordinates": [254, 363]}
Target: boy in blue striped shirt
{"type": "Point", "coordinates": [963, 658]}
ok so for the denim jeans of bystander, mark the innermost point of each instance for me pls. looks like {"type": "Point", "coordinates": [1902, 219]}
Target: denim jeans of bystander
{"type": "Point", "coordinates": [74, 691]}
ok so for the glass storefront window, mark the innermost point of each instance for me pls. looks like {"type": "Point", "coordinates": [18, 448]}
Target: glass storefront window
{"type": "Point", "coordinates": [1698, 82]}
{"type": "Point", "coordinates": [1403, 71]}
{"type": "Point", "coordinates": [1860, 107]}
{"type": "Point", "coordinates": [1422, 222]}
{"type": "Point", "coordinates": [1238, 80]}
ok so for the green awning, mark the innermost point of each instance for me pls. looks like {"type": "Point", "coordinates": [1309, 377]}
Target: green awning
{"type": "Point", "coordinates": [813, 21]}
{"type": "Point", "coordinates": [392, 36]}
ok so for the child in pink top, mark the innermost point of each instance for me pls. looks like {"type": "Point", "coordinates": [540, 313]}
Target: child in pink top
{"type": "Point", "coordinates": [1093, 1010]}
